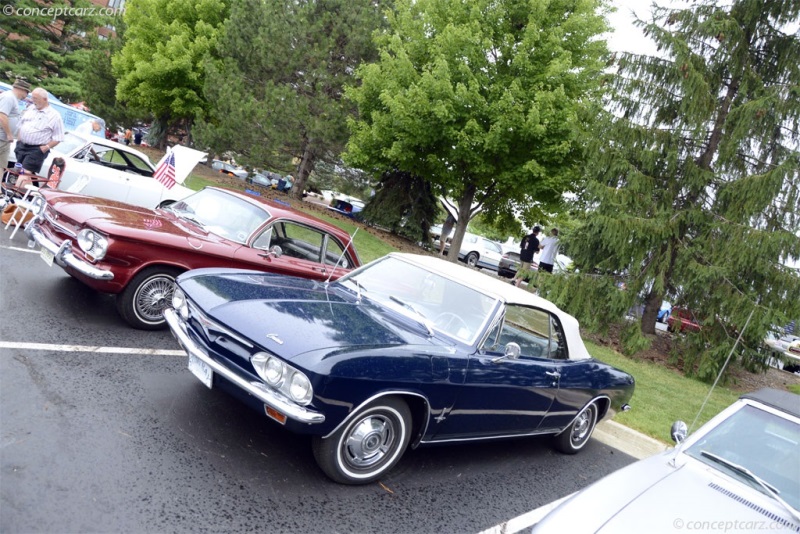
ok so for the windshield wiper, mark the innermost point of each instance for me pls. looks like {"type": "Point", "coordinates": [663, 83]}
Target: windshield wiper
{"type": "Point", "coordinates": [771, 490]}
{"type": "Point", "coordinates": [421, 315]}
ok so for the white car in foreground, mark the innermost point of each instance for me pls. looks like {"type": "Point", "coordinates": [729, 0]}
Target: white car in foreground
{"type": "Point", "coordinates": [737, 473]}
{"type": "Point", "coordinates": [106, 169]}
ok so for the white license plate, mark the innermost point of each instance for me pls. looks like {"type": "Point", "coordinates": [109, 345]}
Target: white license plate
{"type": "Point", "coordinates": [201, 370]}
{"type": "Point", "coordinates": [46, 256]}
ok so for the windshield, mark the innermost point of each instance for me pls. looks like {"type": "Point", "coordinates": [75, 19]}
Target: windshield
{"type": "Point", "coordinates": [451, 308]}
{"type": "Point", "coordinates": [70, 144]}
{"type": "Point", "coordinates": [221, 213]}
{"type": "Point", "coordinates": [763, 443]}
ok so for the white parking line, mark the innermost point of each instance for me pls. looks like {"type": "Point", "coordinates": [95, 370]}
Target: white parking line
{"type": "Point", "coordinates": [20, 249]}
{"type": "Point", "coordinates": [87, 348]}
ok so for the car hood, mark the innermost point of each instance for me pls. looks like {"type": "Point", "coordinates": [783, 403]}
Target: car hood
{"type": "Point", "coordinates": [655, 496]}
{"type": "Point", "coordinates": [120, 219]}
{"type": "Point", "coordinates": [291, 316]}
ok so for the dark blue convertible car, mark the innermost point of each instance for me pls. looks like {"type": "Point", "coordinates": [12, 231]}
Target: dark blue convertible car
{"type": "Point", "coordinates": [406, 350]}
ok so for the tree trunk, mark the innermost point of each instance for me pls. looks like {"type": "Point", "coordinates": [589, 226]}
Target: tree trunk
{"type": "Point", "coordinates": [652, 304]}
{"type": "Point", "coordinates": [464, 212]}
{"type": "Point", "coordinates": [307, 164]}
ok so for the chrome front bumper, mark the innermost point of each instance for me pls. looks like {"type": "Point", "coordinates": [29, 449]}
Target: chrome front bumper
{"type": "Point", "coordinates": [62, 254]}
{"type": "Point", "coordinates": [257, 389]}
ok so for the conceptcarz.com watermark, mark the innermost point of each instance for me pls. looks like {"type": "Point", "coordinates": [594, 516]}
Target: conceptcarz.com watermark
{"type": "Point", "coordinates": [63, 11]}
{"type": "Point", "coordinates": [729, 525]}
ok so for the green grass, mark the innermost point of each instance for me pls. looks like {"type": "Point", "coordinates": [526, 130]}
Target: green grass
{"type": "Point", "coordinates": [663, 396]}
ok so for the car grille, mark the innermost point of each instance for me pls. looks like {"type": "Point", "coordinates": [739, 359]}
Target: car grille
{"type": "Point", "coordinates": [753, 506]}
{"type": "Point", "coordinates": [60, 224]}
{"type": "Point", "coordinates": [220, 340]}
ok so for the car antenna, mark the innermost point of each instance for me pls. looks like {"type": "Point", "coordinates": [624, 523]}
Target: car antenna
{"type": "Point", "coordinates": [710, 391]}
{"type": "Point", "coordinates": [352, 237]}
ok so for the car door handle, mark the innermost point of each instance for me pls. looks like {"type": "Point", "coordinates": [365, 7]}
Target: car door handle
{"type": "Point", "coordinates": [319, 269]}
{"type": "Point", "coordinates": [554, 374]}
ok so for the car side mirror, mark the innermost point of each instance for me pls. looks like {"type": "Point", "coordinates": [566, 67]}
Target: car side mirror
{"type": "Point", "coordinates": [678, 431]}
{"type": "Point", "coordinates": [276, 251]}
{"type": "Point", "coordinates": [511, 352]}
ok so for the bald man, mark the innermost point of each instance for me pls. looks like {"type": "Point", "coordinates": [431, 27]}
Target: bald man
{"type": "Point", "coordinates": [40, 129]}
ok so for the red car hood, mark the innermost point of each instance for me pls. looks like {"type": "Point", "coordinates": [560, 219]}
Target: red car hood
{"type": "Point", "coordinates": [119, 219]}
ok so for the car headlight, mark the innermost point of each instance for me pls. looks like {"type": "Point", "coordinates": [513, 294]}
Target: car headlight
{"type": "Point", "coordinates": [180, 303]}
{"type": "Point", "coordinates": [270, 369]}
{"type": "Point", "coordinates": [93, 243]}
{"type": "Point", "coordinates": [283, 377]}
{"type": "Point", "coordinates": [300, 389]}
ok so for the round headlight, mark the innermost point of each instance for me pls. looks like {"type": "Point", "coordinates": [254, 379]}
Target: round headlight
{"type": "Point", "coordinates": [180, 304]}
{"type": "Point", "coordinates": [273, 372]}
{"type": "Point", "coordinates": [93, 243]}
{"type": "Point", "coordinates": [300, 389]}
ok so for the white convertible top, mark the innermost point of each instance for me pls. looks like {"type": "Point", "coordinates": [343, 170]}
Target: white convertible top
{"type": "Point", "coordinates": [504, 291]}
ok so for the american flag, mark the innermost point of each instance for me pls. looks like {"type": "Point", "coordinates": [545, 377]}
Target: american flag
{"type": "Point", "coordinates": [165, 173]}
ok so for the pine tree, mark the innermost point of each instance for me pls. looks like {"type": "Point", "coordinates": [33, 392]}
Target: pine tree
{"type": "Point", "coordinates": [277, 95]}
{"type": "Point", "coordinates": [694, 178]}
{"type": "Point", "coordinates": [404, 204]}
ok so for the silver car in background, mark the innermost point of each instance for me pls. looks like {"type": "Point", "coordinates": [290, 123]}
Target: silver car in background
{"type": "Point", "coordinates": [740, 472]}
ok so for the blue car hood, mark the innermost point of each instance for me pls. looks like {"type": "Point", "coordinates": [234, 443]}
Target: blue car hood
{"type": "Point", "coordinates": [290, 316]}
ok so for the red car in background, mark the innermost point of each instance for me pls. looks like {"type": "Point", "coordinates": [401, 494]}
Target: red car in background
{"type": "Point", "coordinates": [136, 253]}
{"type": "Point", "coordinates": [682, 320]}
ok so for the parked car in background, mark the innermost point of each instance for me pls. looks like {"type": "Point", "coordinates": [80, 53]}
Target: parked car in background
{"type": "Point", "coordinates": [136, 253]}
{"type": "Point", "coordinates": [682, 320]}
{"type": "Point", "coordinates": [476, 251]}
{"type": "Point", "coordinates": [265, 178]}
{"type": "Point", "coordinates": [347, 206]}
{"type": "Point", "coordinates": [229, 169]}
{"type": "Point", "coordinates": [408, 350]}
{"type": "Point", "coordinates": [509, 264]}
{"type": "Point", "coordinates": [738, 473]}
{"type": "Point", "coordinates": [664, 312]}
{"type": "Point", "coordinates": [105, 169]}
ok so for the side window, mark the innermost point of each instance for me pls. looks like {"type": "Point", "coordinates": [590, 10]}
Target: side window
{"type": "Point", "coordinates": [333, 252]}
{"type": "Point", "coordinates": [536, 332]}
{"type": "Point", "coordinates": [263, 241]}
{"type": "Point", "coordinates": [298, 241]}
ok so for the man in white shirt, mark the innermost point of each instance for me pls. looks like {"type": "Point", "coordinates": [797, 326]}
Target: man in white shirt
{"type": "Point", "coordinates": [9, 117]}
{"type": "Point", "coordinates": [549, 247]}
{"type": "Point", "coordinates": [40, 129]}
{"type": "Point", "coordinates": [89, 128]}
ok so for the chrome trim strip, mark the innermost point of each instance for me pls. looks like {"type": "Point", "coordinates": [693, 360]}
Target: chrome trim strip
{"type": "Point", "coordinates": [259, 391]}
{"type": "Point", "coordinates": [58, 225]}
{"type": "Point", "coordinates": [486, 438]}
{"type": "Point", "coordinates": [377, 396]}
{"type": "Point", "coordinates": [63, 256]}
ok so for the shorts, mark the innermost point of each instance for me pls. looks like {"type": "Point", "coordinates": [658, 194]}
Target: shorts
{"type": "Point", "coordinates": [546, 267]}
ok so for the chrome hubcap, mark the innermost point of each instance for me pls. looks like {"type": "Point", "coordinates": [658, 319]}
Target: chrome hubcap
{"type": "Point", "coordinates": [370, 441]}
{"type": "Point", "coordinates": [580, 429]}
{"type": "Point", "coordinates": [153, 297]}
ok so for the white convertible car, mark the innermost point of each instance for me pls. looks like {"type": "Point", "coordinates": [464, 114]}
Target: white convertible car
{"type": "Point", "coordinates": [111, 170]}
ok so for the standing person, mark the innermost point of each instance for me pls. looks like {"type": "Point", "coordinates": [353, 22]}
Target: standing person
{"type": "Point", "coordinates": [528, 247]}
{"type": "Point", "coordinates": [549, 248]}
{"type": "Point", "coordinates": [9, 117]}
{"type": "Point", "coordinates": [137, 138]}
{"type": "Point", "coordinates": [128, 136]}
{"type": "Point", "coordinates": [40, 129]}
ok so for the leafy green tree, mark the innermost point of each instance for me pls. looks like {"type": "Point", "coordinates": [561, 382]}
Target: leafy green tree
{"type": "Point", "coordinates": [485, 99]}
{"type": "Point", "coordinates": [44, 48]}
{"type": "Point", "coordinates": [277, 95]}
{"type": "Point", "coordinates": [694, 179]}
{"type": "Point", "coordinates": [161, 67]}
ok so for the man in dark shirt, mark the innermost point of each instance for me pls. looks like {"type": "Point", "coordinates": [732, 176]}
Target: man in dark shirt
{"type": "Point", "coordinates": [528, 247]}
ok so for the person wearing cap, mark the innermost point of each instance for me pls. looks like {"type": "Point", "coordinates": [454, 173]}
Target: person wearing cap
{"type": "Point", "coordinates": [528, 247]}
{"type": "Point", "coordinates": [9, 117]}
{"type": "Point", "coordinates": [40, 129]}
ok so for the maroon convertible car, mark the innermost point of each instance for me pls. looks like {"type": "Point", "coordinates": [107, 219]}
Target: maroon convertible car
{"type": "Point", "coordinates": [136, 253]}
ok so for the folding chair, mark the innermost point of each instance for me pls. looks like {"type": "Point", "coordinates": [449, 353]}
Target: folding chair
{"type": "Point", "coordinates": [24, 206]}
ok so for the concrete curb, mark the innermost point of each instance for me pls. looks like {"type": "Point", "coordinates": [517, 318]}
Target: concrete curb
{"type": "Point", "coordinates": [627, 440]}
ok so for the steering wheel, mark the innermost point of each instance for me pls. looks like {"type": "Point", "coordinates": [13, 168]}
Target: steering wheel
{"type": "Point", "coordinates": [446, 320]}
